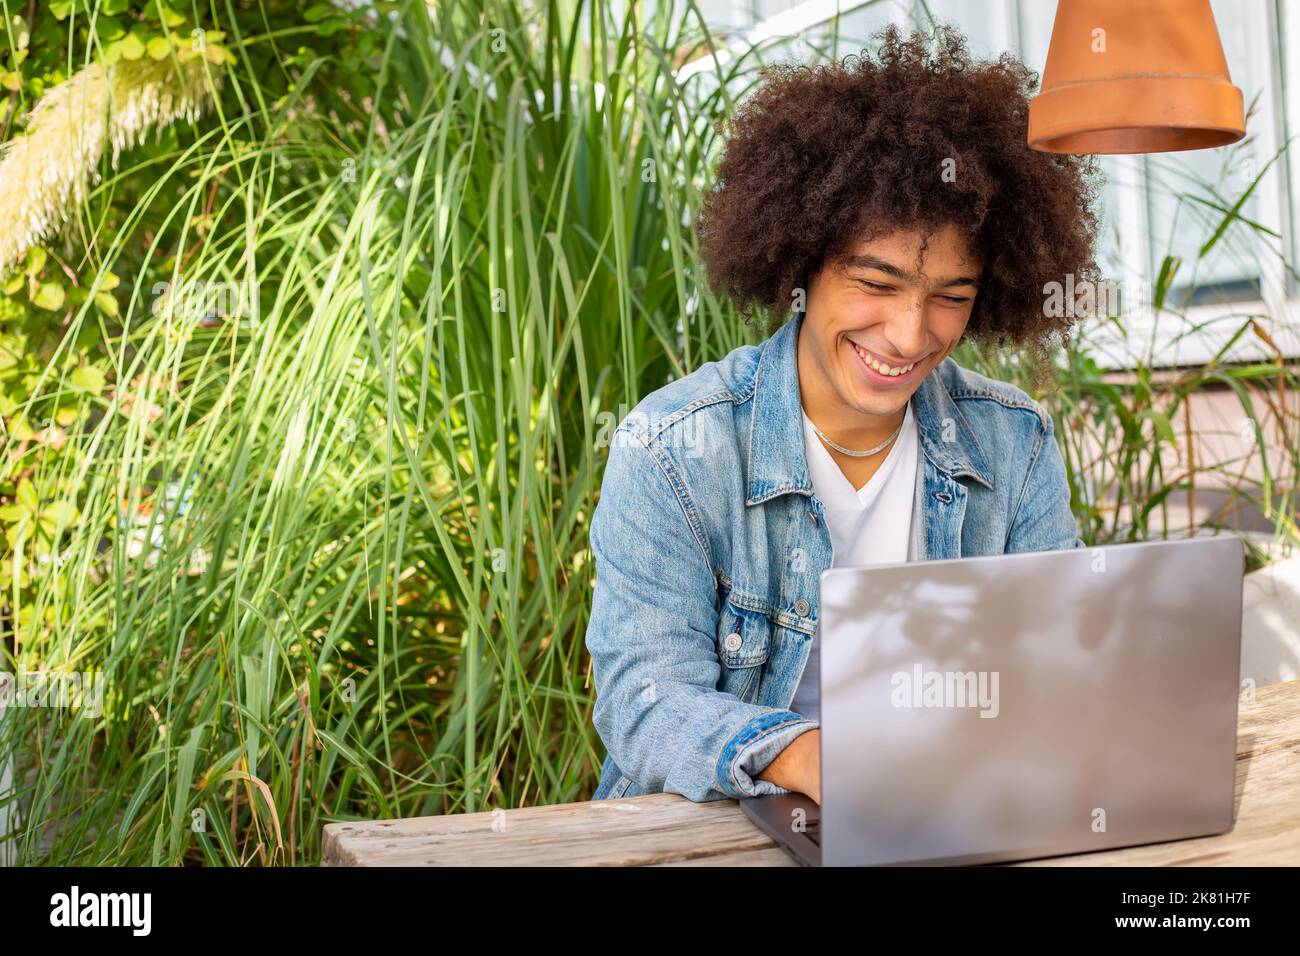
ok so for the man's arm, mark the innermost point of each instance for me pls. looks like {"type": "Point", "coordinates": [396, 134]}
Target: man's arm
{"type": "Point", "coordinates": [653, 643]}
{"type": "Point", "coordinates": [798, 766]}
{"type": "Point", "coordinates": [1043, 520]}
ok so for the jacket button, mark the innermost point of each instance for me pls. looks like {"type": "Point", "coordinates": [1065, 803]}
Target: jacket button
{"type": "Point", "coordinates": [802, 607]}
{"type": "Point", "coordinates": [732, 643]}
{"type": "Point", "coordinates": [943, 496]}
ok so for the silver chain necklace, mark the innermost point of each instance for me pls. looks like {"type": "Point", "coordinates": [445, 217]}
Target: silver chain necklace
{"type": "Point", "coordinates": [849, 451]}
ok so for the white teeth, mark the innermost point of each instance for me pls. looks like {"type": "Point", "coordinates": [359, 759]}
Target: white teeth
{"type": "Point", "coordinates": [880, 366]}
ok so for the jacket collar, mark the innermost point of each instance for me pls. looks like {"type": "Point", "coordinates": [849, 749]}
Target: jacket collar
{"type": "Point", "coordinates": [777, 463]}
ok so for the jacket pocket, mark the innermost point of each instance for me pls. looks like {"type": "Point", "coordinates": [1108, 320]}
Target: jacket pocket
{"type": "Point", "coordinates": [744, 643]}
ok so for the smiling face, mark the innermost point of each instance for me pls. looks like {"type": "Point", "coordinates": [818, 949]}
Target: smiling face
{"type": "Point", "coordinates": [879, 318]}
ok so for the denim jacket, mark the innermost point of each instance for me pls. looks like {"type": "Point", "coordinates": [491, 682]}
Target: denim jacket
{"type": "Point", "coordinates": [709, 545]}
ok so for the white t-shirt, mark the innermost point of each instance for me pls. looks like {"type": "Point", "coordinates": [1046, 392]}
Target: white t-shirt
{"type": "Point", "coordinates": [870, 525]}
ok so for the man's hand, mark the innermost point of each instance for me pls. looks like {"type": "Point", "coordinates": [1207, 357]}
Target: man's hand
{"type": "Point", "coordinates": [798, 766]}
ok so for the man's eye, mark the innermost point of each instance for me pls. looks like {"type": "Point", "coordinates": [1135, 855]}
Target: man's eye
{"type": "Point", "coordinates": [955, 299]}
{"type": "Point", "coordinates": [875, 286]}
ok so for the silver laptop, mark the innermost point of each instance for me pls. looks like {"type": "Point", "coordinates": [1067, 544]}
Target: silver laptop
{"type": "Point", "coordinates": [978, 710]}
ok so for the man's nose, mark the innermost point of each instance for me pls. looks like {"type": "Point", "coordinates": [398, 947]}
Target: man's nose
{"type": "Point", "coordinates": [908, 328]}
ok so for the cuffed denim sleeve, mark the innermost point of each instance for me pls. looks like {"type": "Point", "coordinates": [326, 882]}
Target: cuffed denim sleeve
{"type": "Point", "coordinates": [755, 746]}
{"type": "Point", "coordinates": [1043, 520]}
{"type": "Point", "coordinates": [653, 642]}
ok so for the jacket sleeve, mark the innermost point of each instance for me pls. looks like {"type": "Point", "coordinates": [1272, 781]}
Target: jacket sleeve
{"type": "Point", "coordinates": [653, 643]}
{"type": "Point", "coordinates": [1042, 520]}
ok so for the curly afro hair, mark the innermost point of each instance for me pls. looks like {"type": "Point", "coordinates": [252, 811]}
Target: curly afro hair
{"type": "Point", "coordinates": [821, 157]}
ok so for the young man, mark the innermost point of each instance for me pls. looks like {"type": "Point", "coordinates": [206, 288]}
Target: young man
{"type": "Point", "coordinates": [889, 207]}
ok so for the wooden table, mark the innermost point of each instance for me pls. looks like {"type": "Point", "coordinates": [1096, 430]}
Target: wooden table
{"type": "Point", "coordinates": [666, 829]}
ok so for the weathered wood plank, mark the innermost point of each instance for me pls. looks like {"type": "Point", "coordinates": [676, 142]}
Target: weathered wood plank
{"type": "Point", "coordinates": [632, 831]}
{"type": "Point", "coordinates": [666, 829]}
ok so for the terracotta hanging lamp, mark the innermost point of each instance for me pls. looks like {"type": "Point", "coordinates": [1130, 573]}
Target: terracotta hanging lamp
{"type": "Point", "coordinates": [1135, 76]}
